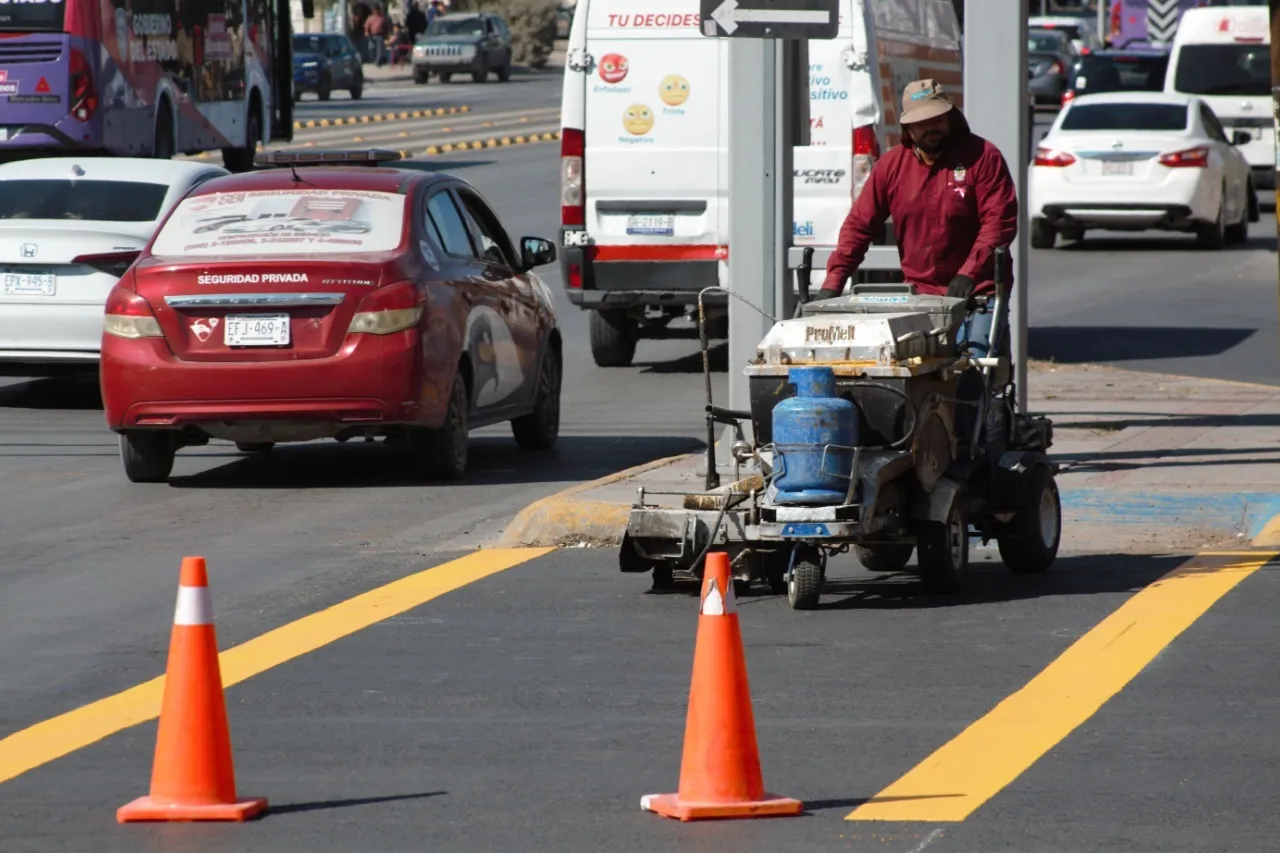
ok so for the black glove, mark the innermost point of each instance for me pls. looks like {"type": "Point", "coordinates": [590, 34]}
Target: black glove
{"type": "Point", "coordinates": [823, 293]}
{"type": "Point", "coordinates": [961, 287]}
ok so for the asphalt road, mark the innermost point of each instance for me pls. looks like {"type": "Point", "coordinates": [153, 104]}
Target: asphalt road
{"type": "Point", "coordinates": [531, 710]}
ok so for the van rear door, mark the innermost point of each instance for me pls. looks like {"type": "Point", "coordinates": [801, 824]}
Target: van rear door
{"type": "Point", "coordinates": [656, 108]}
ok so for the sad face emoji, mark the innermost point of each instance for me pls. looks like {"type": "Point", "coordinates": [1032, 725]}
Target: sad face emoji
{"type": "Point", "coordinates": [674, 90]}
{"type": "Point", "coordinates": [614, 68]}
{"type": "Point", "coordinates": [638, 119]}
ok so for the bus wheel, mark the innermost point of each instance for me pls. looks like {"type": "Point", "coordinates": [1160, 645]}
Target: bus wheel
{"type": "Point", "coordinates": [241, 159]}
{"type": "Point", "coordinates": [162, 145]}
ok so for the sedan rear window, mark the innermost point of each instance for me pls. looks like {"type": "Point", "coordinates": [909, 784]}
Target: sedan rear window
{"type": "Point", "coordinates": [1125, 117]}
{"type": "Point", "coordinates": [1120, 74]}
{"type": "Point", "coordinates": [92, 200]}
{"type": "Point", "coordinates": [283, 222]}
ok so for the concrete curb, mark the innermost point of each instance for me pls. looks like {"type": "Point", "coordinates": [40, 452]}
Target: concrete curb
{"type": "Point", "coordinates": [378, 117]}
{"type": "Point", "coordinates": [559, 519]}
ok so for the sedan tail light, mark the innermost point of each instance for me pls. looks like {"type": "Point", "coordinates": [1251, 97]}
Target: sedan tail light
{"type": "Point", "coordinates": [1051, 157]}
{"type": "Point", "coordinates": [111, 263]}
{"type": "Point", "coordinates": [128, 315]}
{"type": "Point", "coordinates": [1067, 97]}
{"type": "Point", "coordinates": [388, 310]}
{"type": "Point", "coordinates": [1192, 158]}
{"type": "Point", "coordinates": [1055, 68]}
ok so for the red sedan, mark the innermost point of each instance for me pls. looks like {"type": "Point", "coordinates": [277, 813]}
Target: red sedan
{"type": "Point", "coordinates": [357, 296]}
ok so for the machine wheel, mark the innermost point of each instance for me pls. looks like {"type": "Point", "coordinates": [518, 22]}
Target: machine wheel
{"type": "Point", "coordinates": [1029, 542]}
{"type": "Point", "coordinates": [539, 429]}
{"type": "Point", "coordinates": [420, 74]}
{"type": "Point", "coordinates": [663, 576]}
{"type": "Point", "coordinates": [944, 550]}
{"type": "Point", "coordinates": [884, 558]}
{"type": "Point", "coordinates": [804, 587]}
{"type": "Point", "coordinates": [613, 339]}
{"type": "Point", "coordinates": [1043, 235]}
{"type": "Point", "coordinates": [254, 446]}
{"type": "Point", "coordinates": [1213, 235]}
{"type": "Point", "coordinates": [147, 456]}
{"type": "Point", "coordinates": [442, 453]}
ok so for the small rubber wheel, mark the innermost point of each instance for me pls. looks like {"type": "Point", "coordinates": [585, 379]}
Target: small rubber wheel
{"type": "Point", "coordinates": [1029, 542]}
{"type": "Point", "coordinates": [804, 586]}
{"type": "Point", "coordinates": [147, 456]}
{"type": "Point", "coordinates": [884, 558]}
{"type": "Point", "coordinates": [943, 550]}
{"type": "Point", "coordinates": [539, 429]}
{"type": "Point", "coordinates": [441, 454]}
{"type": "Point", "coordinates": [254, 446]}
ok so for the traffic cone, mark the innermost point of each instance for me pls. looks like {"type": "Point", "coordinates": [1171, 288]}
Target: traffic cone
{"type": "Point", "coordinates": [193, 777]}
{"type": "Point", "coordinates": [720, 773]}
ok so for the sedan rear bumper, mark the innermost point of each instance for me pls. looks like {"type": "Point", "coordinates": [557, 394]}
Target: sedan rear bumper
{"type": "Point", "coordinates": [1120, 217]}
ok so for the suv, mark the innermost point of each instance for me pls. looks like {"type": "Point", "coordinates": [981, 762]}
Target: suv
{"type": "Point", "coordinates": [468, 42]}
{"type": "Point", "coordinates": [1117, 71]}
{"type": "Point", "coordinates": [323, 62]}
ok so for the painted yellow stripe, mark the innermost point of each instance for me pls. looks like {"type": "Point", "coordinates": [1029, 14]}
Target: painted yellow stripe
{"type": "Point", "coordinates": [61, 735]}
{"type": "Point", "coordinates": [956, 780]}
{"type": "Point", "coordinates": [1269, 535]}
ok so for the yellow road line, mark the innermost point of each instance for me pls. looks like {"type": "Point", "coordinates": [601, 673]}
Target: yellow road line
{"type": "Point", "coordinates": [963, 774]}
{"type": "Point", "coordinates": [62, 735]}
{"type": "Point", "coordinates": [365, 119]}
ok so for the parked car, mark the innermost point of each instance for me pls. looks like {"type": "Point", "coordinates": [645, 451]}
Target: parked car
{"type": "Point", "coordinates": [467, 42]}
{"type": "Point", "coordinates": [69, 228]}
{"type": "Point", "coordinates": [422, 325]}
{"type": "Point", "coordinates": [1138, 161]}
{"type": "Point", "coordinates": [1117, 71]}
{"type": "Point", "coordinates": [1049, 60]}
{"type": "Point", "coordinates": [323, 62]}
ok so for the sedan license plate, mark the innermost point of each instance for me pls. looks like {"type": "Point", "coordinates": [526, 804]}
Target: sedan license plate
{"type": "Point", "coordinates": [257, 330]}
{"type": "Point", "coordinates": [1117, 167]}
{"type": "Point", "coordinates": [652, 224]}
{"type": "Point", "coordinates": [30, 284]}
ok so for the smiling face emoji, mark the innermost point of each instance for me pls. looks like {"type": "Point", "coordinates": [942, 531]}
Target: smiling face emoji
{"type": "Point", "coordinates": [638, 119]}
{"type": "Point", "coordinates": [613, 68]}
{"type": "Point", "coordinates": [674, 90]}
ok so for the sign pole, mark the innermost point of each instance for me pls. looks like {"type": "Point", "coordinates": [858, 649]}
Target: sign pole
{"type": "Point", "coordinates": [1274, 7]}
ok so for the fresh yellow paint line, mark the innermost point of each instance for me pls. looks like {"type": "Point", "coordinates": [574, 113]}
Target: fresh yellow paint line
{"type": "Point", "coordinates": [64, 734]}
{"type": "Point", "coordinates": [963, 774]}
{"type": "Point", "coordinates": [1269, 535]}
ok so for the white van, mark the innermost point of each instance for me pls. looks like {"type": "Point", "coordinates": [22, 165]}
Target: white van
{"type": "Point", "coordinates": [644, 161]}
{"type": "Point", "coordinates": [1223, 55]}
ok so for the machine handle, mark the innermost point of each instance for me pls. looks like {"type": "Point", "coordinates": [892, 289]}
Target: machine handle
{"type": "Point", "coordinates": [804, 275]}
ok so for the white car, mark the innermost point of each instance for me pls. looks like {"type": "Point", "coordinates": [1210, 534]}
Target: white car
{"type": "Point", "coordinates": [69, 228]}
{"type": "Point", "coordinates": [1138, 161]}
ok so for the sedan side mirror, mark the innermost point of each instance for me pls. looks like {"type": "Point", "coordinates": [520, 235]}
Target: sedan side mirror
{"type": "Point", "coordinates": [1241, 137]}
{"type": "Point", "coordinates": [536, 252]}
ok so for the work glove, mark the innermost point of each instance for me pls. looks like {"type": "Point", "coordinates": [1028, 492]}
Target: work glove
{"type": "Point", "coordinates": [961, 287]}
{"type": "Point", "coordinates": [823, 293]}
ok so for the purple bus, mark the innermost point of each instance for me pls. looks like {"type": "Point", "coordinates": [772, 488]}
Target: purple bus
{"type": "Point", "coordinates": [1152, 23]}
{"type": "Point", "coordinates": [145, 78]}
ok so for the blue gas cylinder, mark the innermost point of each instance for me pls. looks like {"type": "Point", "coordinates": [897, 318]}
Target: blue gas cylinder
{"type": "Point", "coordinates": [803, 426]}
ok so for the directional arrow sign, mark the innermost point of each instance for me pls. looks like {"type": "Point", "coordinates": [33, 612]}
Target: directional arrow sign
{"type": "Point", "coordinates": [777, 19]}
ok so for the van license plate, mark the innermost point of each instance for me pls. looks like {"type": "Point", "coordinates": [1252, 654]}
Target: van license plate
{"type": "Point", "coordinates": [1112, 167]}
{"type": "Point", "coordinates": [257, 330]}
{"type": "Point", "coordinates": [652, 224]}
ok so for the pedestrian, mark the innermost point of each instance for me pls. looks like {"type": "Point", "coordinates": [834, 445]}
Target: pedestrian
{"type": "Point", "coordinates": [376, 32]}
{"type": "Point", "coordinates": [415, 22]}
{"type": "Point", "coordinates": [953, 202]}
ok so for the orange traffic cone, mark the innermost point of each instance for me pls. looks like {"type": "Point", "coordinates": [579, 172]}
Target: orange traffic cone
{"type": "Point", "coordinates": [192, 778]}
{"type": "Point", "coordinates": [720, 772]}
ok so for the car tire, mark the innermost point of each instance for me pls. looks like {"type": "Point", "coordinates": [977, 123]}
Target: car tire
{"type": "Point", "coordinates": [358, 89]}
{"type": "Point", "coordinates": [481, 76]}
{"type": "Point", "coordinates": [539, 429]}
{"type": "Point", "coordinates": [884, 558]}
{"type": "Point", "coordinates": [1255, 212]}
{"type": "Point", "coordinates": [254, 446]}
{"type": "Point", "coordinates": [504, 73]}
{"type": "Point", "coordinates": [420, 75]}
{"type": "Point", "coordinates": [1043, 235]}
{"type": "Point", "coordinates": [446, 76]}
{"type": "Point", "coordinates": [613, 338]}
{"type": "Point", "coordinates": [441, 454]}
{"type": "Point", "coordinates": [147, 455]}
{"type": "Point", "coordinates": [325, 88]}
{"type": "Point", "coordinates": [1213, 235]}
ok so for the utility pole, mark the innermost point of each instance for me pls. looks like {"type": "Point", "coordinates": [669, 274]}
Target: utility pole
{"type": "Point", "coordinates": [1274, 7]}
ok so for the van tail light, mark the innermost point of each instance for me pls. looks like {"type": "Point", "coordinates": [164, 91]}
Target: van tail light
{"type": "Point", "coordinates": [866, 151]}
{"type": "Point", "coordinates": [573, 146]}
{"type": "Point", "coordinates": [1051, 157]}
{"type": "Point", "coordinates": [128, 315]}
{"type": "Point", "coordinates": [83, 96]}
{"type": "Point", "coordinates": [1192, 158]}
{"type": "Point", "coordinates": [388, 310]}
{"type": "Point", "coordinates": [575, 276]}
{"type": "Point", "coordinates": [112, 263]}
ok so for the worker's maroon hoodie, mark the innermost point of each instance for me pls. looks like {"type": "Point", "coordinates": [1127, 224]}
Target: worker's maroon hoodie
{"type": "Point", "coordinates": [948, 218]}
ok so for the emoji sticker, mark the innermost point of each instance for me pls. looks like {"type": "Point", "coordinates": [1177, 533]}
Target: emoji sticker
{"type": "Point", "coordinates": [614, 68]}
{"type": "Point", "coordinates": [674, 90]}
{"type": "Point", "coordinates": [638, 119]}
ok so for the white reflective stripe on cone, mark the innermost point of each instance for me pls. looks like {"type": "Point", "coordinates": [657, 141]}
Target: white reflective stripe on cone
{"type": "Point", "coordinates": [194, 606]}
{"type": "Point", "coordinates": [716, 604]}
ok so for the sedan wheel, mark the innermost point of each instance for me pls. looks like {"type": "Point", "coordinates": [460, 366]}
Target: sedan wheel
{"type": "Point", "coordinates": [539, 429]}
{"type": "Point", "coordinates": [147, 456]}
{"type": "Point", "coordinates": [442, 453]}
